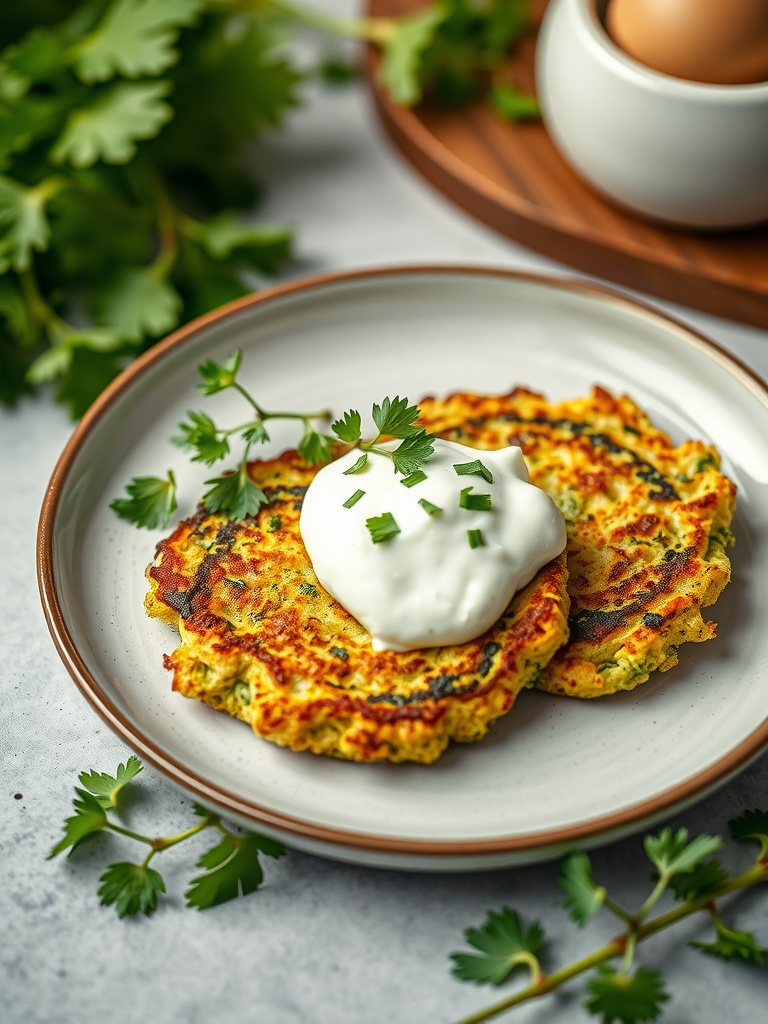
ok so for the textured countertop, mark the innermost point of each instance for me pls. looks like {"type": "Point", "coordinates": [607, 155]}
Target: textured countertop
{"type": "Point", "coordinates": [321, 942]}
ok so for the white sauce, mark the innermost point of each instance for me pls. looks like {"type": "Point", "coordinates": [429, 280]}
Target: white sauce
{"type": "Point", "coordinates": [426, 587]}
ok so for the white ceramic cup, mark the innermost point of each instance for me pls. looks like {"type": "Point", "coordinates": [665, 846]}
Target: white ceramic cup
{"type": "Point", "coordinates": [682, 152]}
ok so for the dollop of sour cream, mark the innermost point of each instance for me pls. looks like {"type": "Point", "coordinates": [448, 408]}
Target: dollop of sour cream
{"type": "Point", "coordinates": [426, 585]}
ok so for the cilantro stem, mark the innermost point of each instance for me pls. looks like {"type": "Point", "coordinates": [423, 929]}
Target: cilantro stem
{"type": "Point", "coordinates": [619, 945]}
{"type": "Point", "coordinates": [167, 216]}
{"type": "Point", "coordinates": [166, 843]}
{"type": "Point", "coordinates": [617, 911]}
{"type": "Point", "coordinates": [44, 314]}
{"type": "Point", "coordinates": [127, 832]}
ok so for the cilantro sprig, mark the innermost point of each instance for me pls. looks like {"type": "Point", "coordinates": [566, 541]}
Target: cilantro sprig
{"type": "Point", "coordinates": [393, 418]}
{"type": "Point", "coordinates": [117, 224]}
{"type": "Point", "coordinates": [626, 993]}
{"type": "Point", "coordinates": [231, 868]}
{"type": "Point", "coordinates": [151, 500]}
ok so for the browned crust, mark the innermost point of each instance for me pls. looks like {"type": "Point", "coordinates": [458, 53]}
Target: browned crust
{"type": "Point", "coordinates": [253, 615]}
{"type": "Point", "coordinates": [230, 802]}
{"type": "Point", "coordinates": [647, 526]}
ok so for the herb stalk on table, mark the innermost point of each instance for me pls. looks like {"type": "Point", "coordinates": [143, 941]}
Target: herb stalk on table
{"type": "Point", "coordinates": [124, 127]}
{"type": "Point", "coordinates": [231, 868]}
{"type": "Point", "coordinates": [628, 993]}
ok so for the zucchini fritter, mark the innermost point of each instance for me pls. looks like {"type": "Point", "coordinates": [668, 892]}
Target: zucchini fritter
{"type": "Point", "coordinates": [262, 640]}
{"type": "Point", "coordinates": [647, 526]}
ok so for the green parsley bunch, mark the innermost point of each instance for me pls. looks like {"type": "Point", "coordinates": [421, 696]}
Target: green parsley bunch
{"type": "Point", "coordinates": [123, 131]}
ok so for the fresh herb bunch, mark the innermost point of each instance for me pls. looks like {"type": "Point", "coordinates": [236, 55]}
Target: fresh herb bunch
{"type": "Point", "coordinates": [124, 126]}
{"type": "Point", "coordinates": [151, 500]}
{"type": "Point", "coordinates": [630, 994]}
{"type": "Point", "coordinates": [230, 868]}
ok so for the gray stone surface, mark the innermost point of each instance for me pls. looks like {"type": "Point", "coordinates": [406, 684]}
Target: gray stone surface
{"type": "Point", "coordinates": [321, 943]}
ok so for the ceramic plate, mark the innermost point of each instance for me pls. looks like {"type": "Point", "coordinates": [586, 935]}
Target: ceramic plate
{"type": "Point", "coordinates": [554, 772]}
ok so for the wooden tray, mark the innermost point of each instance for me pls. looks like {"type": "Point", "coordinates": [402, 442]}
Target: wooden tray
{"type": "Point", "coordinates": [512, 178]}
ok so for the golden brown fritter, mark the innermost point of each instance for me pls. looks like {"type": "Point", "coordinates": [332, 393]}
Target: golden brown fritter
{"type": "Point", "coordinates": [262, 640]}
{"type": "Point", "coordinates": [647, 526]}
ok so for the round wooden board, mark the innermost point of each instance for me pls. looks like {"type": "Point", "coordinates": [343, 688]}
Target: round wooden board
{"type": "Point", "coordinates": [511, 177]}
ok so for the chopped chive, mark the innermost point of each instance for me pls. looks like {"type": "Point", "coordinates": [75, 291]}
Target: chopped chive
{"type": "Point", "coordinates": [360, 464]}
{"type": "Point", "coordinates": [429, 508]}
{"type": "Point", "coordinates": [413, 479]}
{"type": "Point", "coordinates": [475, 502]}
{"type": "Point", "coordinates": [475, 468]}
{"type": "Point", "coordinates": [354, 499]}
{"type": "Point", "coordinates": [475, 538]}
{"type": "Point", "coordinates": [382, 527]}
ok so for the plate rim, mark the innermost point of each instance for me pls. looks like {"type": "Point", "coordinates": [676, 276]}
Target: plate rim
{"type": "Point", "coordinates": [130, 732]}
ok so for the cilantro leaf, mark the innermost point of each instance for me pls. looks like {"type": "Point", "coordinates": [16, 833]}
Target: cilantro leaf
{"type": "Point", "coordinates": [583, 897]}
{"type": "Point", "coordinates": [58, 359]}
{"type": "Point", "coordinates": [503, 944]}
{"type": "Point", "coordinates": [413, 452]}
{"type": "Point", "coordinates": [199, 435]}
{"type": "Point", "coordinates": [150, 503]}
{"type": "Point", "coordinates": [732, 945]}
{"type": "Point", "coordinates": [348, 428]}
{"type": "Point", "coordinates": [133, 38]}
{"type": "Point", "coordinates": [752, 826]}
{"type": "Point", "coordinates": [629, 998]}
{"type": "Point", "coordinates": [133, 888]}
{"type": "Point", "coordinates": [255, 434]}
{"type": "Point", "coordinates": [24, 227]}
{"type": "Point", "coordinates": [232, 869]}
{"type": "Point", "coordinates": [235, 495]}
{"type": "Point", "coordinates": [315, 447]}
{"type": "Point", "coordinates": [706, 878]}
{"type": "Point", "coordinates": [88, 819]}
{"type": "Point", "coordinates": [513, 104]}
{"type": "Point", "coordinates": [401, 54]}
{"type": "Point", "coordinates": [395, 418]}
{"type": "Point", "coordinates": [139, 303]}
{"type": "Point", "coordinates": [219, 376]}
{"type": "Point", "coordinates": [88, 373]}
{"type": "Point", "coordinates": [262, 247]}
{"type": "Point", "coordinates": [106, 788]}
{"type": "Point", "coordinates": [672, 853]}
{"type": "Point", "coordinates": [108, 127]}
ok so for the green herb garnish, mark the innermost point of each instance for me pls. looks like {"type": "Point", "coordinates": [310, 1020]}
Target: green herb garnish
{"type": "Point", "coordinates": [393, 418]}
{"type": "Point", "coordinates": [475, 502]}
{"type": "Point", "coordinates": [414, 478]}
{"type": "Point", "coordinates": [475, 538]}
{"type": "Point", "coordinates": [475, 468]}
{"type": "Point", "coordinates": [353, 500]}
{"type": "Point", "coordinates": [429, 508]}
{"type": "Point", "coordinates": [232, 867]}
{"type": "Point", "coordinates": [151, 501]}
{"type": "Point", "coordinates": [117, 223]}
{"type": "Point", "coordinates": [626, 993]}
{"type": "Point", "coordinates": [382, 528]}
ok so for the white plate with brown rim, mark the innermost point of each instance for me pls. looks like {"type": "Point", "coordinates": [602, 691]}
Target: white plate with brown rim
{"type": "Point", "coordinates": [552, 774]}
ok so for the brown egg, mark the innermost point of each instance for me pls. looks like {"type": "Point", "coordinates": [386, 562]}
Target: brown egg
{"type": "Point", "coordinates": [718, 41]}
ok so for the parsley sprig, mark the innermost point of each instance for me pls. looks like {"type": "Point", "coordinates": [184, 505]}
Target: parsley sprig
{"type": "Point", "coordinates": [152, 501]}
{"type": "Point", "coordinates": [393, 418]}
{"type": "Point", "coordinates": [630, 994]}
{"type": "Point", "coordinates": [230, 868]}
